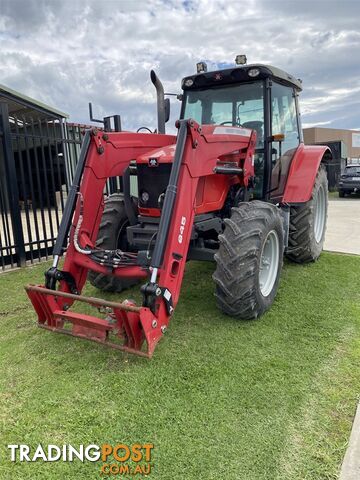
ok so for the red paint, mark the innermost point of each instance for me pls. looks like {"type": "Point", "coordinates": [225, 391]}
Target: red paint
{"type": "Point", "coordinates": [302, 173]}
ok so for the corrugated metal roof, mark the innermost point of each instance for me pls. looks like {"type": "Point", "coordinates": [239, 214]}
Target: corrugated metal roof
{"type": "Point", "coordinates": [18, 100]}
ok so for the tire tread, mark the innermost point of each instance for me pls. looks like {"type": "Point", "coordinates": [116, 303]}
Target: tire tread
{"type": "Point", "coordinates": [238, 257]}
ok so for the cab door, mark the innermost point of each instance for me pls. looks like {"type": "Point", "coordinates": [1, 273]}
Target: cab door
{"type": "Point", "coordinates": [285, 134]}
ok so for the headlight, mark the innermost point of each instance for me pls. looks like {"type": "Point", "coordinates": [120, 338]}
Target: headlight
{"type": "Point", "coordinates": [144, 197]}
{"type": "Point", "coordinates": [253, 72]}
{"type": "Point", "coordinates": [189, 82]}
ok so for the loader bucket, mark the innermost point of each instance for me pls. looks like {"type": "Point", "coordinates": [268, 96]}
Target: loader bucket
{"type": "Point", "coordinates": [125, 326]}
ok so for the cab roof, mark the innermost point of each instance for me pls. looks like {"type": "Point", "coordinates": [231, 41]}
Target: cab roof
{"type": "Point", "coordinates": [238, 75]}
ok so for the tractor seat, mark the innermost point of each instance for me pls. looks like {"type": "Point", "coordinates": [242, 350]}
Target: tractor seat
{"type": "Point", "coordinates": [256, 125]}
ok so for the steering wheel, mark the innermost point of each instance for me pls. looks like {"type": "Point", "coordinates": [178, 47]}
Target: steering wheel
{"type": "Point", "coordinates": [143, 128]}
{"type": "Point", "coordinates": [237, 124]}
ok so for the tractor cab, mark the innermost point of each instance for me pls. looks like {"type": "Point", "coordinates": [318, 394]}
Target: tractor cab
{"type": "Point", "coordinates": [260, 97]}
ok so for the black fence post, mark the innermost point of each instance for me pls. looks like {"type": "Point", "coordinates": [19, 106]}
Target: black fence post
{"type": "Point", "coordinates": [12, 188]}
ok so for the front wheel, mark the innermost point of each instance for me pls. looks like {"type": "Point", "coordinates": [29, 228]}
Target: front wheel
{"type": "Point", "coordinates": [112, 235]}
{"type": "Point", "coordinates": [308, 223]}
{"type": "Point", "coordinates": [249, 260]}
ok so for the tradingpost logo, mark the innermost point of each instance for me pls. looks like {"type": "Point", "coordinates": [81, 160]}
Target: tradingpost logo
{"type": "Point", "coordinates": [119, 459]}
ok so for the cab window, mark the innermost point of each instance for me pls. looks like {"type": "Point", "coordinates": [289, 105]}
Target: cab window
{"type": "Point", "coordinates": [284, 120]}
{"type": "Point", "coordinates": [236, 105]}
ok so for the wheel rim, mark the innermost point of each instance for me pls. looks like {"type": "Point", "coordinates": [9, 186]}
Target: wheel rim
{"type": "Point", "coordinates": [319, 213]}
{"type": "Point", "coordinates": [269, 263]}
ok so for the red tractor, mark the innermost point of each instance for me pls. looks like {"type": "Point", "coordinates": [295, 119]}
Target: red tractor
{"type": "Point", "coordinates": [236, 186]}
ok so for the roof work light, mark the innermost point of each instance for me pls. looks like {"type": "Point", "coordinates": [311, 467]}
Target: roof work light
{"type": "Point", "coordinates": [240, 59]}
{"type": "Point", "coordinates": [201, 67]}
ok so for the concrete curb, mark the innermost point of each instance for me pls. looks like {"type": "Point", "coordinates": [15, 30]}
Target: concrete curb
{"type": "Point", "coordinates": [350, 469]}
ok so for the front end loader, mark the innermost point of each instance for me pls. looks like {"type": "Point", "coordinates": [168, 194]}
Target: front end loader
{"type": "Point", "coordinates": [235, 186]}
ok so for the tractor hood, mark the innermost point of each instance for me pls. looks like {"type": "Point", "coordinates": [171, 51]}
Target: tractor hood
{"type": "Point", "coordinates": [155, 157]}
{"type": "Point", "coordinates": [211, 134]}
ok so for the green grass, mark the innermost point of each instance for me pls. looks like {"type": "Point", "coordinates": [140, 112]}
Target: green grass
{"type": "Point", "coordinates": [221, 399]}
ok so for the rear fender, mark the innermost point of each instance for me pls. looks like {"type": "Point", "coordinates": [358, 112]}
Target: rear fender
{"type": "Point", "coordinates": [302, 173]}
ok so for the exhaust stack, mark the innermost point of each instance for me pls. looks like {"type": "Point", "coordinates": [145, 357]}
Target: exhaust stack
{"type": "Point", "coordinates": [160, 101]}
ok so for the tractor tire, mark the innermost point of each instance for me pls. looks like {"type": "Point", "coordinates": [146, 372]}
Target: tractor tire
{"type": "Point", "coordinates": [249, 260]}
{"type": "Point", "coordinates": [112, 235]}
{"type": "Point", "coordinates": [341, 194]}
{"type": "Point", "coordinates": [308, 223]}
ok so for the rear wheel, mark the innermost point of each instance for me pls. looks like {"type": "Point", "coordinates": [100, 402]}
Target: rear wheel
{"type": "Point", "coordinates": [341, 194]}
{"type": "Point", "coordinates": [112, 235]}
{"type": "Point", "coordinates": [308, 223]}
{"type": "Point", "coordinates": [249, 260]}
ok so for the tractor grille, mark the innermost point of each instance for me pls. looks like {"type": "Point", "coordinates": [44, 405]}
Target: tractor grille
{"type": "Point", "coordinates": [154, 181]}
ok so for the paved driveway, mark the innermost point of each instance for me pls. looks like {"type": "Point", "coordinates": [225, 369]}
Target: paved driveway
{"type": "Point", "coordinates": [343, 225]}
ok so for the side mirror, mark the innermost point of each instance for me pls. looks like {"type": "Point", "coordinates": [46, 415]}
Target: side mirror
{"type": "Point", "coordinates": [167, 109]}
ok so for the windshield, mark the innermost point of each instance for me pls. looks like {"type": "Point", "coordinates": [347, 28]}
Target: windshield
{"type": "Point", "coordinates": [353, 170]}
{"type": "Point", "coordinates": [237, 105]}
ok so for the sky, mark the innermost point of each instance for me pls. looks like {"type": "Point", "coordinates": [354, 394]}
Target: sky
{"type": "Point", "coordinates": [67, 53]}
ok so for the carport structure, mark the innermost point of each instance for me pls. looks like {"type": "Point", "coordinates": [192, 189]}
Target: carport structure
{"type": "Point", "coordinates": [38, 153]}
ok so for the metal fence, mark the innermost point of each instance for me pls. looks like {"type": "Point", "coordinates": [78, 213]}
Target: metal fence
{"type": "Point", "coordinates": [38, 156]}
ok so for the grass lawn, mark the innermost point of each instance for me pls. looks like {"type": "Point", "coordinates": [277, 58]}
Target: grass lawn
{"type": "Point", "coordinates": [221, 399]}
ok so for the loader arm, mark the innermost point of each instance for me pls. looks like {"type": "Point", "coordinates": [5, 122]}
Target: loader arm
{"type": "Point", "coordinates": [199, 152]}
